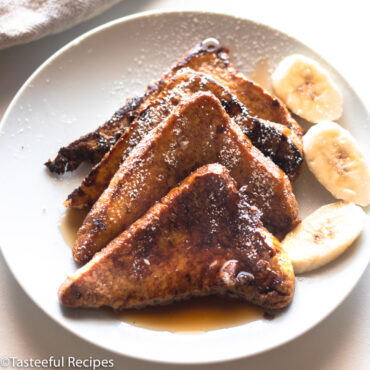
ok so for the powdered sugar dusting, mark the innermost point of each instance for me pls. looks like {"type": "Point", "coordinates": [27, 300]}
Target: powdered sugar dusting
{"type": "Point", "coordinates": [229, 154]}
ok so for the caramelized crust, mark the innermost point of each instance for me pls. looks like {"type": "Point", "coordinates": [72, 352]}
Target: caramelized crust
{"type": "Point", "coordinates": [213, 61]}
{"type": "Point", "coordinates": [203, 238]}
{"type": "Point", "coordinates": [198, 132]}
{"type": "Point", "coordinates": [276, 141]}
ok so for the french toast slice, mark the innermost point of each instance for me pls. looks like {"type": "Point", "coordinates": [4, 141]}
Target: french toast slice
{"type": "Point", "coordinates": [276, 141]}
{"type": "Point", "coordinates": [203, 238]}
{"type": "Point", "coordinates": [212, 59]}
{"type": "Point", "coordinates": [198, 132]}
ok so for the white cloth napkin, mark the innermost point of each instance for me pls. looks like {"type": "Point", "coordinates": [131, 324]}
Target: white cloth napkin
{"type": "Point", "coordinates": [26, 20]}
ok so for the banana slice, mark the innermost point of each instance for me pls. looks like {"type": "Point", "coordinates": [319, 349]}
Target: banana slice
{"type": "Point", "coordinates": [324, 235]}
{"type": "Point", "coordinates": [334, 157]}
{"type": "Point", "coordinates": [307, 89]}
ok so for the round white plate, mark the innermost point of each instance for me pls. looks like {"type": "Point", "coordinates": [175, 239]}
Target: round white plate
{"type": "Point", "coordinates": [75, 91]}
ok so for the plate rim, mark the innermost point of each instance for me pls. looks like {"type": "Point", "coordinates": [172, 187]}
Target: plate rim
{"type": "Point", "coordinates": [102, 28]}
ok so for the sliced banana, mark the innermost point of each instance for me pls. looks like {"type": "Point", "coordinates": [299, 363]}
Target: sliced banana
{"type": "Point", "coordinates": [307, 89]}
{"type": "Point", "coordinates": [324, 235]}
{"type": "Point", "coordinates": [334, 157]}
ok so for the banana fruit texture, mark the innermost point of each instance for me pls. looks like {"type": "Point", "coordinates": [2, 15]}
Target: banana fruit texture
{"type": "Point", "coordinates": [307, 89]}
{"type": "Point", "coordinates": [334, 157]}
{"type": "Point", "coordinates": [324, 235]}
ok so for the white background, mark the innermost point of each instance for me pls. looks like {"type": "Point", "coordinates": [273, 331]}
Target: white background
{"type": "Point", "coordinates": [340, 32]}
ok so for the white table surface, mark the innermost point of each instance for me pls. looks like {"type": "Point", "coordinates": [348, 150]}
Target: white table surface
{"type": "Point", "coordinates": [340, 32]}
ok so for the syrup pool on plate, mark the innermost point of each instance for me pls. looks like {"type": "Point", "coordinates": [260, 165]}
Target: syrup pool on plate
{"type": "Point", "coordinates": [261, 73]}
{"type": "Point", "coordinates": [194, 315]}
{"type": "Point", "coordinates": [70, 223]}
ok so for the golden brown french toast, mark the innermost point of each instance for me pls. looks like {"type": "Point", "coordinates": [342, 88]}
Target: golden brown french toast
{"type": "Point", "coordinates": [198, 132]}
{"type": "Point", "coordinates": [203, 238]}
{"type": "Point", "coordinates": [212, 59]}
{"type": "Point", "coordinates": [276, 141]}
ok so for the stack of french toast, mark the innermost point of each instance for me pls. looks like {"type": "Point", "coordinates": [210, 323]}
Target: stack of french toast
{"type": "Point", "coordinates": [191, 182]}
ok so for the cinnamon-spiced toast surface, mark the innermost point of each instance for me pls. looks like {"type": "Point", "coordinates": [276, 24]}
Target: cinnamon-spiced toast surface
{"type": "Point", "coordinates": [276, 141]}
{"type": "Point", "coordinates": [198, 132]}
{"type": "Point", "coordinates": [212, 59]}
{"type": "Point", "coordinates": [202, 238]}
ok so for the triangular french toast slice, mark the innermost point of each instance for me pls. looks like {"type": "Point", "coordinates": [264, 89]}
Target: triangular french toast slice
{"type": "Point", "coordinates": [276, 141]}
{"type": "Point", "coordinates": [203, 238]}
{"type": "Point", "coordinates": [198, 132]}
{"type": "Point", "coordinates": [209, 58]}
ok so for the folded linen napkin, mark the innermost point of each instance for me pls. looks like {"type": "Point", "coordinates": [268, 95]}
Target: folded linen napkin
{"type": "Point", "coordinates": [26, 20]}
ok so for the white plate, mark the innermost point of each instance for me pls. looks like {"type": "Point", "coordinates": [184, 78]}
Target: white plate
{"type": "Point", "coordinates": [77, 89]}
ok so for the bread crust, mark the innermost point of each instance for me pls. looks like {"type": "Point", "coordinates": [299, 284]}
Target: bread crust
{"type": "Point", "coordinates": [214, 62]}
{"type": "Point", "coordinates": [203, 238]}
{"type": "Point", "coordinates": [276, 141]}
{"type": "Point", "coordinates": [198, 132]}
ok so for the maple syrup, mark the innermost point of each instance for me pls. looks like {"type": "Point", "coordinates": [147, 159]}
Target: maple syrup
{"type": "Point", "coordinates": [261, 74]}
{"type": "Point", "coordinates": [195, 315]}
{"type": "Point", "coordinates": [70, 223]}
